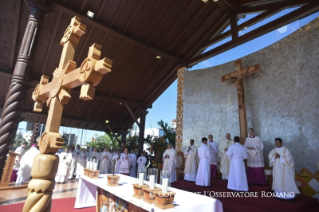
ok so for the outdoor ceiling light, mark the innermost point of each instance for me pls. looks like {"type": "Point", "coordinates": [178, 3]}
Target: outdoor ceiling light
{"type": "Point", "coordinates": [90, 14]}
{"type": "Point", "coordinates": [158, 57]}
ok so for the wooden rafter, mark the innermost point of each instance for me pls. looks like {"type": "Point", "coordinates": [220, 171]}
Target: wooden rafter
{"type": "Point", "coordinates": [132, 114]}
{"type": "Point", "coordinates": [233, 26]}
{"type": "Point", "coordinates": [109, 127]}
{"type": "Point", "coordinates": [100, 10]}
{"type": "Point", "coordinates": [15, 34]}
{"type": "Point", "coordinates": [118, 11]}
{"type": "Point", "coordinates": [136, 10]}
{"type": "Point", "coordinates": [83, 4]}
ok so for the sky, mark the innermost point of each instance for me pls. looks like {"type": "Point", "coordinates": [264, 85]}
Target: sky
{"type": "Point", "coordinates": [164, 108]}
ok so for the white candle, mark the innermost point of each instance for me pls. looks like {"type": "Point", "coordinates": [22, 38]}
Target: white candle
{"type": "Point", "coordinates": [152, 181]}
{"type": "Point", "coordinates": [95, 166]}
{"type": "Point", "coordinates": [88, 164]}
{"type": "Point", "coordinates": [91, 165]}
{"type": "Point", "coordinates": [164, 185]}
{"type": "Point", "coordinates": [141, 179]}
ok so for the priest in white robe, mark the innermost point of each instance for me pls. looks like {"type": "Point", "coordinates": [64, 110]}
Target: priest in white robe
{"type": "Point", "coordinates": [20, 150]}
{"type": "Point", "coordinates": [80, 164]}
{"type": "Point", "coordinates": [255, 159]}
{"type": "Point", "coordinates": [73, 163]}
{"type": "Point", "coordinates": [191, 162]}
{"type": "Point", "coordinates": [205, 155]}
{"type": "Point", "coordinates": [63, 173]}
{"type": "Point", "coordinates": [141, 161]}
{"type": "Point", "coordinates": [237, 180]}
{"type": "Point", "coordinates": [169, 158]}
{"type": "Point", "coordinates": [95, 156]}
{"type": "Point", "coordinates": [24, 173]}
{"type": "Point", "coordinates": [117, 161]}
{"type": "Point", "coordinates": [224, 160]}
{"type": "Point", "coordinates": [214, 160]}
{"type": "Point", "coordinates": [283, 173]}
{"type": "Point", "coordinates": [133, 164]}
{"type": "Point", "coordinates": [105, 164]}
{"type": "Point", "coordinates": [125, 163]}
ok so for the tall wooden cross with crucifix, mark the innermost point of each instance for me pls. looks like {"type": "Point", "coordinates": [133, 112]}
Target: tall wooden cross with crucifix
{"type": "Point", "coordinates": [56, 94]}
{"type": "Point", "coordinates": [237, 78]}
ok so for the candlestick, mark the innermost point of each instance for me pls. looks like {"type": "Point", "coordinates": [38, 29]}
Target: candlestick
{"type": "Point", "coordinates": [164, 185]}
{"type": "Point", "coordinates": [91, 164]}
{"type": "Point", "coordinates": [152, 181]}
{"type": "Point", "coordinates": [141, 179]}
{"type": "Point", "coordinates": [95, 166]}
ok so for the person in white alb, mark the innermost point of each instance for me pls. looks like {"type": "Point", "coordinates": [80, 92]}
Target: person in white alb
{"type": "Point", "coordinates": [191, 162]}
{"type": "Point", "coordinates": [105, 164]}
{"type": "Point", "coordinates": [169, 158]}
{"type": "Point", "coordinates": [141, 161]}
{"type": "Point", "coordinates": [214, 160]}
{"type": "Point", "coordinates": [283, 172]}
{"type": "Point", "coordinates": [224, 160]}
{"type": "Point", "coordinates": [237, 180]}
{"type": "Point", "coordinates": [133, 164]}
{"type": "Point", "coordinates": [20, 150]}
{"type": "Point", "coordinates": [63, 173]}
{"type": "Point", "coordinates": [125, 163]}
{"type": "Point", "coordinates": [117, 161]}
{"type": "Point", "coordinates": [203, 173]}
{"type": "Point", "coordinates": [73, 163]}
{"type": "Point", "coordinates": [80, 164]}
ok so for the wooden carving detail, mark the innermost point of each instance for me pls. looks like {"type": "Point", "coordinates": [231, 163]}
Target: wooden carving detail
{"type": "Point", "coordinates": [56, 94]}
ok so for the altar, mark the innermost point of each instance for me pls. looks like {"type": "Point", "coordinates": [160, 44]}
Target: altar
{"type": "Point", "coordinates": [89, 195]}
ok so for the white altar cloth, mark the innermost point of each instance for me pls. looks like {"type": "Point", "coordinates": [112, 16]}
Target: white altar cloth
{"type": "Point", "coordinates": [184, 201]}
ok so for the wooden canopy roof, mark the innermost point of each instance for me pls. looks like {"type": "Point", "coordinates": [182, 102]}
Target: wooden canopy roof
{"type": "Point", "coordinates": [133, 33]}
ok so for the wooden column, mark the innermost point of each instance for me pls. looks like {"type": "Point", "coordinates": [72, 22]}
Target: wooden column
{"type": "Point", "coordinates": [179, 109]}
{"type": "Point", "coordinates": [123, 136]}
{"type": "Point", "coordinates": [12, 107]}
{"type": "Point", "coordinates": [143, 113]}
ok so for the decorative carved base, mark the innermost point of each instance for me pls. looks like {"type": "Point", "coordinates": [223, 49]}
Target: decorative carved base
{"type": "Point", "coordinates": [163, 207]}
{"type": "Point", "coordinates": [113, 180]}
{"type": "Point", "coordinates": [164, 201]}
{"type": "Point", "coordinates": [138, 191]}
{"type": "Point", "coordinates": [149, 194]}
{"type": "Point", "coordinates": [91, 173]}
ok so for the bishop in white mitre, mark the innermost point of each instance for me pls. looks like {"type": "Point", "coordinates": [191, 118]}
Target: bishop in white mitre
{"type": "Point", "coordinates": [283, 171]}
{"type": "Point", "coordinates": [105, 164]}
{"type": "Point", "coordinates": [141, 161]}
{"type": "Point", "coordinates": [203, 172]}
{"type": "Point", "coordinates": [191, 162]}
{"type": "Point", "coordinates": [237, 180]}
{"type": "Point", "coordinates": [255, 159]}
{"type": "Point", "coordinates": [169, 158]}
{"type": "Point", "coordinates": [65, 159]}
{"type": "Point", "coordinates": [214, 160]}
{"type": "Point", "coordinates": [133, 164]}
{"type": "Point", "coordinates": [224, 160]}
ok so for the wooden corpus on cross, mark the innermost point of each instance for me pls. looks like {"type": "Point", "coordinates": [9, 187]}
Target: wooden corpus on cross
{"type": "Point", "coordinates": [56, 94]}
{"type": "Point", "coordinates": [237, 78]}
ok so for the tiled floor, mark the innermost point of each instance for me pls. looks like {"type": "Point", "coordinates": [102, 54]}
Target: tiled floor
{"type": "Point", "coordinates": [66, 190]}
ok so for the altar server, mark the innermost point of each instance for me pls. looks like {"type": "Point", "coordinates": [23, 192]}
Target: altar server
{"type": "Point", "coordinates": [117, 161]}
{"type": "Point", "coordinates": [133, 164]}
{"type": "Point", "coordinates": [80, 164]}
{"type": "Point", "coordinates": [224, 160]}
{"type": "Point", "coordinates": [169, 158]}
{"type": "Point", "coordinates": [237, 153]}
{"type": "Point", "coordinates": [125, 163]}
{"type": "Point", "coordinates": [283, 171]}
{"type": "Point", "coordinates": [141, 161]}
{"type": "Point", "coordinates": [73, 163]}
{"type": "Point", "coordinates": [203, 172]}
{"type": "Point", "coordinates": [24, 173]}
{"type": "Point", "coordinates": [63, 173]}
{"type": "Point", "coordinates": [255, 159]}
{"type": "Point", "coordinates": [214, 160]}
{"type": "Point", "coordinates": [105, 165]}
{"type": "Point", "coordinates": [191, 162]}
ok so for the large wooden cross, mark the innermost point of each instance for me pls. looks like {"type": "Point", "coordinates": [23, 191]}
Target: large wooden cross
{"type": "Point", "coordinates": [237, 78]}
{"type": "Point", "coordinates": [56, 94]}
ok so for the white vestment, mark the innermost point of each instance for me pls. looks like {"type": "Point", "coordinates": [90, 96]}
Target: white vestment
{"type": "Point", "coordinates": [256, 160]}
{"type": "Point", "coordinates": [105, 165]}
{"type": "Point", "coordinates": [203, 172]}
{"type": "Point", "coordinates": [64, 167]}
{"type": "Point", "coordinates": [141, 162]}
{"type": "Point", "coordinates": [133, 165]}
{"type": "Point", "coordinates": [224, 160]}
{"type": "Point", "coordinates": [24, 173]}
{"type": "Point", "coordinates": [117, 160]}
{"type": "Point", "coordinates": [125, 163]}
{"type": "Point", "coordinates": [170, 163]}
{"type": "Point", "coordinates": [191, 164]}
{"type": "Point", "coordinates": [237, 174]}
{"type": "Point", "coordinates": [73, 164]}
{"type": "Point", "coordinates": [283, 173]}
{"type": "Point", "coordinates": [214, 150]}
{"type": "Point", "coordinates": [20, 150]}
{"type": "Point", "coordinates": [80, 164]}
{"type": "Point", "coordinates": [96, 155]}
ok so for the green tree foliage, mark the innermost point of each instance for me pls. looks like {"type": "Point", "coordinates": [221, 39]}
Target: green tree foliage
{"type": "Point", "coordinates": [169, 133]}
{"type": "Point", "coordinates": [107, 140]}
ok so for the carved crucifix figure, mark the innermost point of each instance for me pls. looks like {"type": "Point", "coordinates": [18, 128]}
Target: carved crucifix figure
{"type": "Point", "coordinates": [237, 78]}
{"type": "Point", "coordinates": [56, 94]}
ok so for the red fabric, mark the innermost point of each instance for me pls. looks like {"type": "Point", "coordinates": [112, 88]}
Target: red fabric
{"type": "Point", "coordinates": [13, 176]}
{"type": "Point", "coordinates": [213, 171]}
{"type": "Point", "coordinates": [256, 175]}
{"type": "Point", "coordinates": [58, 205]}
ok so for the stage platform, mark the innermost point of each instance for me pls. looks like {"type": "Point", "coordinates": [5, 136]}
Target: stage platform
{"type": "Point", "coordinates": [250, 204]}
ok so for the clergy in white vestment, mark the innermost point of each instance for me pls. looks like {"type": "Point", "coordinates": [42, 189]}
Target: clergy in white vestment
{"type": "Point", "coordinates": [169, 158]}
{"type": "Point", "coordinates": [125, 163]}
{"type": "Point", "coordinates": [20, 150]}
{"type": "Point", "coordinates": [133, 164]}
{"type": "Point", "coordinates": [95, 155]}
{"type": "Point", "coordinates": [214, 160]}
{"type": "Point", "coordinates": [237, 153]}
{"type": "Point", "coordinates": [283, 171]}
{"type": "Point", "coordinates": [191, 162]}
{"type": "Point", "coordinates": [78, 150]}
{"type": "Point", "coordinates": [63, 173]}
{"type": "Point", "coordinates": [203, 172]}
{"type": "Point", "coordinates": [26, 162]}
{"type": "Point", "coordinates": [73, 163]}
{"type": "Point", "coordinates": [255, 159]}
{"type": "Point", "coordinates": [80, 164]}
{"type": "Point", "coordinates": [141, 161]}
{"type": "Point", "coordinates": [224, 160]}
{"type": "Point", "coordinates": [105, 165]}
{"type": "Point", "coordinates": [117, 161]}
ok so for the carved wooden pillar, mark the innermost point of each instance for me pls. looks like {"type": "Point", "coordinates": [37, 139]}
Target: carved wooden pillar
{"type": "Point", "coordinates": [12, 107]}
{"type": "Point", "coordinates": [143, 113]}
{"type": "Point", "coordinates": [35, 132]}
